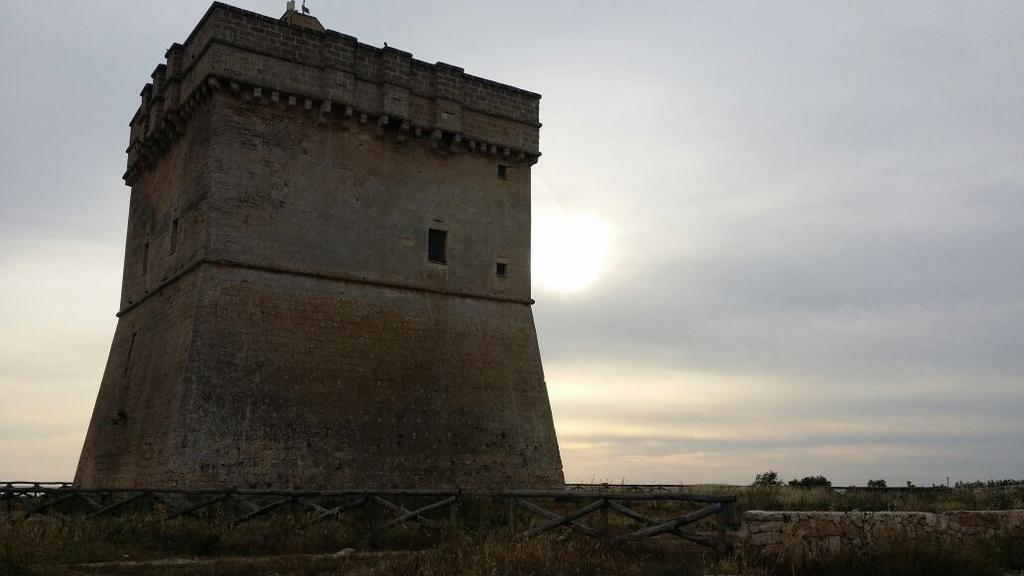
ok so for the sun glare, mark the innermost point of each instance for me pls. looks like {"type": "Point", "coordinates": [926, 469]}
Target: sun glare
{"type": "Point", "coordinates": [569, 251]}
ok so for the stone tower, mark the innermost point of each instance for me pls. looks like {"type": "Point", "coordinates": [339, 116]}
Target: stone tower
{"type": "Point", "coordinates": [327, 273]}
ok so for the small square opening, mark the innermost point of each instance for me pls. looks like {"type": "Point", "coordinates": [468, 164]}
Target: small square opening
{"type": "Point", "coordinates": [501, 269]}
{"type": "Point", "coordinates": [437, 246]}
{"type": "Point", "coordinates": [503, 171]}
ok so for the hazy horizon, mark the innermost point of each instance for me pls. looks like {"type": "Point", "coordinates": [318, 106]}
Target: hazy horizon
{"type": "Point", "coordinates": [766, 235]}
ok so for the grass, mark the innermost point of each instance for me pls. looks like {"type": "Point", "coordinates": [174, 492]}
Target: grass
{"type": "Point", "coordinates": [71, 546]}
{"type": "Point", "coordinates": [56, 545]}
{"type": "Point", "coordinates": [787, 498]}
{"type": "Point", "coordinates": [63, 547]}
{"type": "Point", "coordinates": [282, 544]}
{"type": "Point", "coordinates": [994, 557]}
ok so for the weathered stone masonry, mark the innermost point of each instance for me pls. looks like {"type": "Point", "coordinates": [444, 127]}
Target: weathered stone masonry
{"type": "Point", "coordinates": [821, 533]}
{"type": "Point", "coordinates": [280, 322]}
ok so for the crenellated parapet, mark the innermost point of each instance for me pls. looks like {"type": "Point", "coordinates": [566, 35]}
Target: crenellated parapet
{"type": "Point", "coordinates": [345, 83]}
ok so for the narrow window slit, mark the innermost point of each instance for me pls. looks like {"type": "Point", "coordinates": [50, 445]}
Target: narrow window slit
{"type": "Point", "coordinates": [145, 258]}
{"type": "Point", "coordinates": [131, 352]}
{"type": "Point", "coordinates": [174, 235]}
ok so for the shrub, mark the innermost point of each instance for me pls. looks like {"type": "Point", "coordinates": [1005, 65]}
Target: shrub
{"type": "Point", "coordinates": [769, 478]}
{"type": "Point", "coordinates": [811, 482]}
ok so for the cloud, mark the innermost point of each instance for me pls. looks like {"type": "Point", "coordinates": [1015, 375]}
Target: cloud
{"type": "Point", "coordinates": [620, 420]}
{"type": "Point", "coordinates": [812, 215]}
{"type": "Point", "coordinates": [57, 303]}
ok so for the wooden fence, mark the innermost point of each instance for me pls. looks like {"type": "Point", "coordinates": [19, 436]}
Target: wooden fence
{"type": "Point", "coordinates": [640, 514]}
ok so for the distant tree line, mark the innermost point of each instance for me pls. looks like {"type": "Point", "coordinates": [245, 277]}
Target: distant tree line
{"type": "Point", "coordinates": [772, 478]}
{"type": "Point", "coordinates": [989, 483]}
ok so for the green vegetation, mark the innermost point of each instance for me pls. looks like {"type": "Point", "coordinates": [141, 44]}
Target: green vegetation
{"type": "Point", "coordinates": [798, 498]}
{"type": "Point", "coordinates": [769, 492]}
{"type": "Point", "coordinates": [903, 558]}
{"type": "Point", "coordinates": [72, 546]}
{"type": "Point", "coordinates": [1008, 483]}
{"type": "Point", "coordinates": [284, 545]}
{"type": "Point", "coordinates": [811, 482]}
{"type": "Point", "coordinates": [769, 478]}
{"type": "Point", "coordinates": [933, 500]}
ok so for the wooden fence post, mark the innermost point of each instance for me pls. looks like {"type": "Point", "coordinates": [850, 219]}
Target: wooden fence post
{"type": "Point", "coordinates": [605, 534]}
{"type": "Point", "coordinates": [9, 504]}
{"type": "Point", "coordinates": [453, 511]}
{"type": "Point", "coordinates": [727, 517]}
{"type": "Point", "coordinates": [730, 514]}
{"type": "Point", "coordinates": [371, 515]}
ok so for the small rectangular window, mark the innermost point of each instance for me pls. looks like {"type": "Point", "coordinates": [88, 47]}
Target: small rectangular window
{"type": "Point", "coordinates": [145, 258]}
{"type": "Point", "coordinates": [174, 235]}
{"type": "Point", "coordinates": [502, 269]}
{"type": "Point", "coordinates": [503, 171]}
{"type": "Point", "coordinates": [131, 351]}
{"type": "Point", "coordinates": [437, 249]}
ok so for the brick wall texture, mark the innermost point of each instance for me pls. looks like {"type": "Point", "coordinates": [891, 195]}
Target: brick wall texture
{"type": "Point", "coordinates": [280, 324]}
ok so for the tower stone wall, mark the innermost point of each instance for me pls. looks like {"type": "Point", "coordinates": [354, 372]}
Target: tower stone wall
{"type": "Point", "coordinates": [283, 322]}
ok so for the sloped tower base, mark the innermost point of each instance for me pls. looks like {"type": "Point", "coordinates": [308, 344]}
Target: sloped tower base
{"type": "Point", "coordinates": [297, 382]}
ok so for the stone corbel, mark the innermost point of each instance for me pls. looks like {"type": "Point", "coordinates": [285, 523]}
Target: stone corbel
{"type": "Point", "coordinates": [325, 112]}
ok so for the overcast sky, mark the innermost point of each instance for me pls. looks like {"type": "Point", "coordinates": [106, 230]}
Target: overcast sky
{"type": "Point", "coordinates": [797, 228]}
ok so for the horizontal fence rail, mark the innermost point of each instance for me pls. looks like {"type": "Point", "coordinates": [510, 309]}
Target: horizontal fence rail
{"type": "Point", "coordinates": [698, 518]}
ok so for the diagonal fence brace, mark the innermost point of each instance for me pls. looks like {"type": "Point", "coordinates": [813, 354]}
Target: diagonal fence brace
{"type": "Point", "coordinates": [43, 507]}
{"type": "Point", "coordinates": [556, 522]}
{"type": "Point", "coordinates": [337, 511]}
{"type": "Point", "coordinates": [578, 526]}
{"type": "Point", "coordinates": [191, 509]}
{"type": "Point", "coordinates": [245, 501]}
{"type": "Point", "coordinates": [701, 539]}
{"type": "Point", "coordinates": [414, 514]}
{"type": "Point", "coordinates": [118, 504]}
{"type": "Point", "coordinates": [263, 510]}
{"type": "Point", "coordinates": [670, 525]}
{"type": "Point", "coordinates": [90, 501]}
{"type": "Point", "coordinates": [402, 510]}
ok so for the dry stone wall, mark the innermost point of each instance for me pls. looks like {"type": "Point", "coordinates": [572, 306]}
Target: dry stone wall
{"type": "Point", "coordinates": [829, 532]}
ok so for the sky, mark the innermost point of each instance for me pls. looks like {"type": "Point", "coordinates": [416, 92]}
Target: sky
{"type": "Point", "coordinates": [767, 235]}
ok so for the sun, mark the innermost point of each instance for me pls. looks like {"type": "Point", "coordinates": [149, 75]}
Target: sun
{"type": "Point", "coordinates": [570, 251]}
